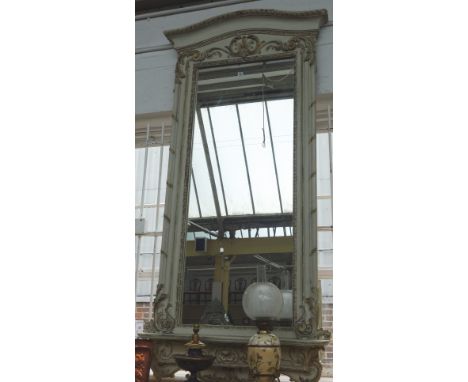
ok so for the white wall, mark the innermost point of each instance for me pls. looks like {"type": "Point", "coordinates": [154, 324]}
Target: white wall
{"type": "Point", "coordinates": [154, 78]}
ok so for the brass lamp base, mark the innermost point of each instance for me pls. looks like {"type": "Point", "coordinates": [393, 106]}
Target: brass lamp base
{"type": "Point", "coordinates": [264, 353]}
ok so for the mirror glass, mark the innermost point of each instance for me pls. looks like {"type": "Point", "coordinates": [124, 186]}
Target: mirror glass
{"type": "Point", "coordinates": [240, 207]}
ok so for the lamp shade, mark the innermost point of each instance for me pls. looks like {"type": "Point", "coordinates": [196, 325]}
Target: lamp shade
{"type": "Point", "coordinates": [262, 300]}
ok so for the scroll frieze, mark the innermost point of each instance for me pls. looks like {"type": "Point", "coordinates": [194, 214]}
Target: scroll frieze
{"type": "Point", "coordinates": [302, 364]}
{"type": "Point", "coordinates": [246, 47]}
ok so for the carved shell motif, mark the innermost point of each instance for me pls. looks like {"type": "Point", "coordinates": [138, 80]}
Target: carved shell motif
{"type": "Point", "coordinates": [244, 46]}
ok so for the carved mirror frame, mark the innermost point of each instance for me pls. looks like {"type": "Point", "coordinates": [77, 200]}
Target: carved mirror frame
{"type": "Point", "coordinates": [241, 37]}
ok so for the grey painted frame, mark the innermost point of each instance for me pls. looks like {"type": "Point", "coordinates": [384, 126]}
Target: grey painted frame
{"type": "Point", "coordinates": [238, 37]}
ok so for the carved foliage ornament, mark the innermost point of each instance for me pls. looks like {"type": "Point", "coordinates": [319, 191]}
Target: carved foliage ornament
{"type": "Point", "coordinates": [231, 362]}
{"type": "Point", "coordinates": [246, 47]}
{"type": "Point", "coordinates": [162, 320]}
{"type": "Point", "coordinates": [308, 328]}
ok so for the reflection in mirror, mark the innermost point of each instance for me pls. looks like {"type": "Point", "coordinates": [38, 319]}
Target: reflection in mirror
{"type": "Point", "coordinates": [240, 208]}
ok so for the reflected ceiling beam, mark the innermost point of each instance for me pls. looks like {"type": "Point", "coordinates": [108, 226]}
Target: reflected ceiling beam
{"type": "Point", "coordinates": [210, 171]}
{"type": "Point", "coordinates": [198, 227]}
{"type": "Point", "coordinates": [245, 68]}
{"type": "Point", "coordinates": [241, 95]}
{"type": "Point", "coordinates": [245, 158]}
{"type": "Point", "coordinates": [236, 222]}
{"type": "Point", "coordinates": [217, 160]}
{"type": "Point", "coordinates": [237, 247]}
{"type": "Point", "coordinates": [268, 262]}
{"type": "Point", "coordinates": [281, 80]}
{"type": "Point", "coordinates": [196, 193]}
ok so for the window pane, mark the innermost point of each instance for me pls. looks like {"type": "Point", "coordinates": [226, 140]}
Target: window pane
{"type": "Point", "coordinates": [143, 287]}
{"type": "Point", "coordinates": [323, 165]}
{"type": "Point", "coordinates": [325, 258]}
{"type": "Point", "coordinates": [146, 261]}
{"type": "Point", "coordinates": [152, 174]}
{"type": "Point", "coordinates": [325, 239]}
{"type": "Point", "coordinates": [324, 215]}
{"type": "Point", "coordinates": [327, 287]}
{"type": "Point", "coordinates": [139, 169]}
{"type": "Point", "coordinates": [146, 244]}
{"type": "Point", "coordinates": [165, 165]}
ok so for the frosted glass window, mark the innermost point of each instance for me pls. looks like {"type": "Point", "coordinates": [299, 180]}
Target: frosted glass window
{"type": "Point", "coordinates": [150, 218]}
{"type": "Point", "coordinates": [324, 212]}
{"type": "Point", "coordinates": [150, 214]}
{"type": "Point", "coordinates": [164, 168]}
{"type": "Point", "coordinates": [146, 261]}
{"type": "Point", "coordinates": [143, 287]}
{"type": "Point", "coordinates": [154, 178]}
{"type": "Point", "coordinates": [147, 244]}
{"type": "Point", "coordinates": [327, 287]}
{"type": "Point", "coordinates": [160, 220]}
{"type": "Point", "coordinates": [325, 258]}
{"type": "Point", "coordinates": [139, 169]}
{"type": "Point", "coordinates": [325, 239]}
{"type": "Point", "coordinates": [323, 165]}
{"type": "Point", "coordinates": [152, 174]}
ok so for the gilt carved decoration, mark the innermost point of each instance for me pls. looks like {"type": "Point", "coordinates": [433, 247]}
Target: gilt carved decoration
{"type": "Point", "coordinates": [247, 47]}
{"type": "Point", "coordinates": [230, 365]}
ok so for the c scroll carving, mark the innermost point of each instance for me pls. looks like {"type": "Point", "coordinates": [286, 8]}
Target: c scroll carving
{"type": "Point", "coordinates": [162, 319]}
{"type": "Point", "coordinates": [308, 327]}
{"type": "Point", "coordinates": [246, 47]}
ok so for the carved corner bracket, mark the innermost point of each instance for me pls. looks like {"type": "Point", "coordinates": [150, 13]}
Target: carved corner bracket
{"type": "Point", "coordinates": [309, 327]}
{"type": "Point", "coordinates": [162, 320]}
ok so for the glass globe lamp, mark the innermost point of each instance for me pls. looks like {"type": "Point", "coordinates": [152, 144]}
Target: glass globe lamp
{"type": "Point", "coordinates": [262, 302]}
{"type": "Point", "coordinates": [286, 311]}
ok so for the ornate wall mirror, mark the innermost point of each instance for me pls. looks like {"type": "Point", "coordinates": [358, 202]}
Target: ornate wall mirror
{"type": "Point", "coordinates": [240, 206]}
{"type": "Point", "coordinates": [241, 188]}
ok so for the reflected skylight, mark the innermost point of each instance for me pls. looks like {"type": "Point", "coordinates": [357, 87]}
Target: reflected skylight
{"type": "Point", "coordinates": [259, 182]}
{"type": "Point", "coordinates": [202, 178]}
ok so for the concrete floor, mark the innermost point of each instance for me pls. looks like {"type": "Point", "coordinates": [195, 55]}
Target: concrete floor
{"type": "Point", "coordinates": [180, 377]}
